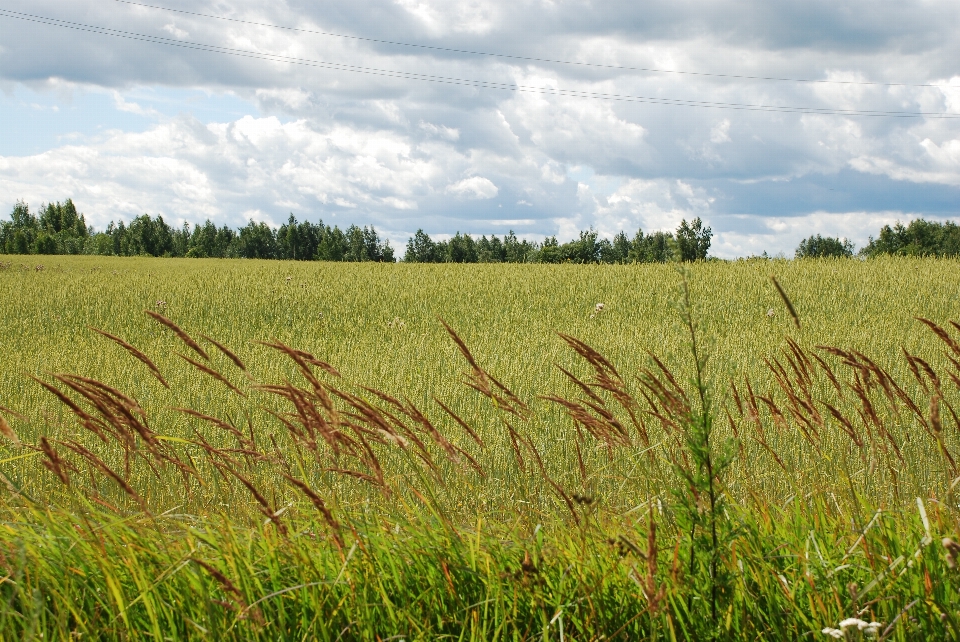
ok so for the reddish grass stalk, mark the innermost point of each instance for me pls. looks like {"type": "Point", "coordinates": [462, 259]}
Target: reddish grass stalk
{"type": "Point", "coordinates": [213, 373]}
{"type": "Point", "coordinates": [136, 353]}
{"type": "Point", "coordinates": [193, 345]}
{"type": "Point", "coordinates": [227, 352]}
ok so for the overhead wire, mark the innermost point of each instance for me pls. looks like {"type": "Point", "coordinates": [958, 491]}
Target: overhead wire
{"type": "Point", "coordinates": [531, 58]}
{"type": "Point", "coordinates": [483, 84]}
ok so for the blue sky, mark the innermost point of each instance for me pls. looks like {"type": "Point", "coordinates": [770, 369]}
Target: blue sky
{"type": "Point", "coordinates": [125, 126]}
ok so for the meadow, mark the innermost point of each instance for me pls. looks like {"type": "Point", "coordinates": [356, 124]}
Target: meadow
{"type": "Point", "coordinates": [286, 450]}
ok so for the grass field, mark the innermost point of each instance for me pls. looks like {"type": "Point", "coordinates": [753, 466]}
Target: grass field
{"type": "Point", "coordinates": [358, 516]}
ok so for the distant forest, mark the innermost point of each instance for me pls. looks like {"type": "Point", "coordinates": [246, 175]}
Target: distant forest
{"type": "Point", "coordinates": [59, 229]}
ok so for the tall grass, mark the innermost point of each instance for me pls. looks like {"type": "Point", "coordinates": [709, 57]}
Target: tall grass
{"type": "Point", "coordinates": [705, 487]}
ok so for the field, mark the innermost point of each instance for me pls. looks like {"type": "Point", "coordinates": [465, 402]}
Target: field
{"type": "Point", "coordinates": [769, 491]}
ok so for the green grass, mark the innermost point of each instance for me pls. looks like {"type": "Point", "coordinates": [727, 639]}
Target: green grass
{"type": "Point", "coordinates": [521, 551]}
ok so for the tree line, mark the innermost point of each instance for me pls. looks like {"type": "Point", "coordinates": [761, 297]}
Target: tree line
{"type": "Point", "coordinates": [690, 242]}
{"type": "Point", "coordinates": [918, 238]}
{"type": "Point", "coordinates": [59, 229]}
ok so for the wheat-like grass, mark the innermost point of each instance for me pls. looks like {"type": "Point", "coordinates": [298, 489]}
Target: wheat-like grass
{"type": "Point", "coordinates": [485, 476]}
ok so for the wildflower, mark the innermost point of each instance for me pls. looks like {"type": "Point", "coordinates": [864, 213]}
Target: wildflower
{"type": "Point", "coordinates": [870, 629]}
{"type": "Point", "coordinates": [834, 633]}
{"type": "Point", "coordinates": [770, 312]}
{"type": "Point", "coordinates": [852, 621]}
{"type": "Point", "coordinates": [288, 278]}
{"type": "Point", "coordinates": [599, 307]}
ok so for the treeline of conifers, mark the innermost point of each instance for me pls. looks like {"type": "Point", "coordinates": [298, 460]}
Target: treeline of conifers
{"type": "Point", "coordinates": [58, 228]}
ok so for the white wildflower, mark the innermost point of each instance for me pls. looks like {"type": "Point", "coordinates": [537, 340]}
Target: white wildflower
{"type": "Point", "coordinates": [852, 621]}
{"type": "Point", "coordinates": [870, 629]}
{"type": "Point", "coordinates": [834, 633]}
{"type": "Point", "coordinates": [599, 307]}
{"type": "Point", "coordinates": [770, 312]}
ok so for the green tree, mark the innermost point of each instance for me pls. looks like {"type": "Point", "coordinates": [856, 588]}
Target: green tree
{"type": "Point", "coordinates": [421, 249]}
{"type": "Point", "coordinates": [45, 244]}
{"type": "Point", "coordinates": [817, 246]}
{"type": "Point", "coordinates": [332, 245]}
{"type": "Point", "coordinates": [585, 249]}
{"type": "Point", "coordinates": [357, 250]}
{"type": "Point", "coordinates": [209, 241]}
{"type": "Point", "coordinates": [693, 240]}
{"type": "Point", "coordinates": [659, 247]}
{"type": "Point", "coordinates": [17, 236]}
{"type": "Point", "coordinates": [619, 250]}
{"type": "Point", "coordinates": [60, 229]}
{"type": "Point", "coordinates": [147, 237]}
{"type": "Point", "coordinates": [57, 218]}
{"type": "Point", "coordinates": [550, 251]}
{"type": "Point", "coordinates": [919, 238]}
{"type": "Point", "coordinates": [515, 250]}
{"type": "Point", "coordinates": [257, 241]}
{"type": "Point", "coordinates": [461, 249]}
{"type": "Point", "coordinates": [490, 250]}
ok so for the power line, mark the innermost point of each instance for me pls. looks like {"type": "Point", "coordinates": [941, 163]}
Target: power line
{"type": "Point", "coordinates": [482, 84]}
{"type": "Point", "coordinates": [532, 58]}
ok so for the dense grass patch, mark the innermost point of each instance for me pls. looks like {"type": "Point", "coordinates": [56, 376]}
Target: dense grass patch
{"type": "Point", "coordinates": [324, 471]}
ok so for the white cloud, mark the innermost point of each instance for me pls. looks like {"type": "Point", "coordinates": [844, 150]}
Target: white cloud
{"type": "Point", "coordinates": [468, 16]}
{"type": "Point", "coordinates": [951, 94]}
{"type": "Point", "coordinates": [189, 171]}
{"type": "Point", "coordinates": [292, 99]}
{"type": "Point", "coordinates": [259, 217]}
{"type": "Point", "coordinates": [173, 30]}
{"type": "Point", "coordinates": [720, 133]}
{"type": "Point", "coordinates": [441, 131]}
{"type": "Point", "coordinates": [785, 233]}
{"type": "Point", "coordinates": [509, 222]}
{"type": "Point", "coordinates": [650, 205]}
{"type": "Point", "coordinates": [475, 187]}
{"type": "Point", "coordinates": [940, 164]}
{"type": "Point", "coordinates": [133, 108]}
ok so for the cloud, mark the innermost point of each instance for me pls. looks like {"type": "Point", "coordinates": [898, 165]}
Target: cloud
{"type": "Point", "coordinates": [441, 131]}
{"type": "Point", "coordinates": [475, 187]}
{"type": "Point", "coordinates": [940, 164]}
{"type": "Point", "coordinates": [172, 29]}
{"type": "Point", "coordinates": [720, 133]}
{"type": "Point", "coordinates": [411, 137]}
{"type": "Point", "coordinates": [131, 107]}
{"type": "Point", "coordinates": [785, 233]}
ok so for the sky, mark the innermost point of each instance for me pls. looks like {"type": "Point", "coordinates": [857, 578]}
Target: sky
{"type": "Point", "coordinates": [761, 117]}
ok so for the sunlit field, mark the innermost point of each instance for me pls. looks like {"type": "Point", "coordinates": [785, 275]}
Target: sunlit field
{"type": "Point", "coordinates": [235, 449]}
